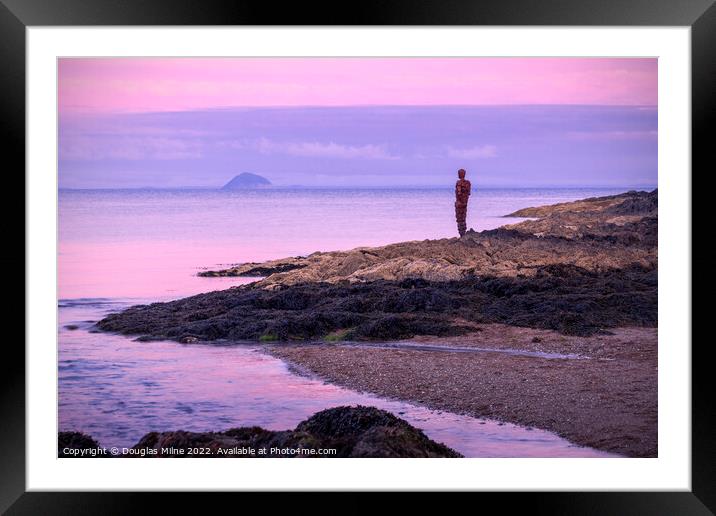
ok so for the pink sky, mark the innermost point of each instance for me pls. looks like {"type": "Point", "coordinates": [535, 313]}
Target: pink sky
{"type": "Point", "coordinates": [116, 85]}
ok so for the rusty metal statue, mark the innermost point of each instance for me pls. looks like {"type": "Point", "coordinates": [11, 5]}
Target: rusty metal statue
{"type": "Point", "coordinates": [462, 192]}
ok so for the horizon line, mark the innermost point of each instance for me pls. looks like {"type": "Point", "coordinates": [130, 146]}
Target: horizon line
{"type": "Point", "coordinates": [366, 187]}
{"type": "Point", "coordinates": [349, 106]}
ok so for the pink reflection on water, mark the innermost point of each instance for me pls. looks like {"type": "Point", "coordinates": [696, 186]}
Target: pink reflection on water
{"type": "Point", "coordinates": [151, 244]}
{"type": "Point", "coordinates": [144, 269]}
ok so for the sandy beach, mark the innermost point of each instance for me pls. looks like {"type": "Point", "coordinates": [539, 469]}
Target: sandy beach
{"type": "Point", "coordinates": [605, 399]}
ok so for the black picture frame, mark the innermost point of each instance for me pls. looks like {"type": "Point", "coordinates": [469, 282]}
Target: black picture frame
{"type": "Point", "coordinates": [17, 15]}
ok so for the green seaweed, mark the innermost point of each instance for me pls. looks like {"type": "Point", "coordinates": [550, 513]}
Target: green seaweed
{"type": "Point", "coordinates": [339, 335]}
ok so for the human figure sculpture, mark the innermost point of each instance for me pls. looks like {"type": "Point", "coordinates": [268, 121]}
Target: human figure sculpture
{"type": "Point", "coordinates": [462, 192]}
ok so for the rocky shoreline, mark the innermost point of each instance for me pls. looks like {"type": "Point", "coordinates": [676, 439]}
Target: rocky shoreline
{"type": "Point", "coordinates": [571, 300]}
{"type": "Point", "coordinates": [599, 234]}
{"type": "Point", "coordinates": [579, 277]}
{"type": "Point", "coordinates": [332, 433]}
{"type": "Point", "coordinates": [579, 273]}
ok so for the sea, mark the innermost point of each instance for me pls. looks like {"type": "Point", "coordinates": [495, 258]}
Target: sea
{"type": "Point", "coordinates": [120, 247]}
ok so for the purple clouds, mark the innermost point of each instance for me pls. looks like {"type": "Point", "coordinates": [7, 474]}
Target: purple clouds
{"type": "Point", "coordinates": [364, 146]}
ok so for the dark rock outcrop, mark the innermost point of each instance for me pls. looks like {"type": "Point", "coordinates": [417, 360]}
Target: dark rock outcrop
{"type": "Point", "coordinates": [350, 431]}
{"type": "Point", "coordinates": [565, 298]}
{"type": "Point", "coordinates": [255, 270]}
{"type": "Point", "coordinates": [77, 441]}
{"type": "Point", "coordinates": [632, 202]}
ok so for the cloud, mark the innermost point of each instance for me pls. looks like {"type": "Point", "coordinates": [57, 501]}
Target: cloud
{"type": "Point", "coordinates": [612, 135]}
{"type": "Point", "coordinates": [323, 150]}
{"type": "Point", "coordinates": [153, 146]}
{"type": "Point", "coordinates": [87, 148]}
{"type": "Point", "coordinates": [477, 152]}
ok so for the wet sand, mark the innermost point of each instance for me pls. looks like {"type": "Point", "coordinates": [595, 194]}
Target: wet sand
{"type": "Point", "coordinates": [605, 397]}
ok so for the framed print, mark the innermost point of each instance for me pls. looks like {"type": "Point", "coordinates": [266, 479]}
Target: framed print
{"type": "Point", "coordinates": [423, 243]}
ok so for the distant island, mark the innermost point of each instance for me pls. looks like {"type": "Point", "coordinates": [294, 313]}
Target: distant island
{"type": "Point", "coordinates": [246, 181]}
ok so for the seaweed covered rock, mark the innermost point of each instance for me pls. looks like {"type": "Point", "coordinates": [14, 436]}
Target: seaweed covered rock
{"type": "Point", "coordinates": [565, 298]}
{"type": "Point", "coordinates": [370, 432]}
{"type": "Point", "coordinates": [336, 432]}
